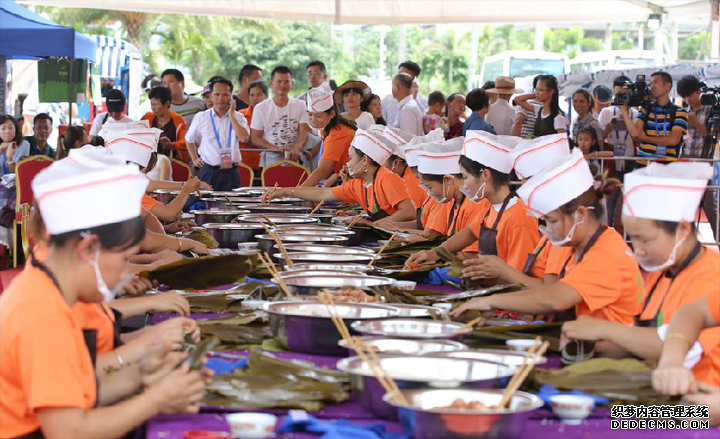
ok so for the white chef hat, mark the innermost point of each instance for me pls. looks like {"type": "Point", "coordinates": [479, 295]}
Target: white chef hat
{"type": "Point", "coordinates": [319, 98]}
{"type": "Point", "coordinates": [531, 155]}
{"type": "Point", "coordinates": [410, 150]}
{"type": "Point", "coordinates": [90, 188]}
{"type": "Point", "coordinates": [377, 148]}
{"type": "Point", "coordinates": [439, 163]}
{"type": "Point", "coordinates": [557, 184]}
{"type": "Point", "coordinates": [377, 129]}
{"type": "Point", "coordinates": [489, 149]}
{"type": "Point", "coordinates": [134, 143]}
{"type": "Point", "coordinates": [436, 135]}
{"type": "Point", "coordinates": [397, 136]}
{"type": "Point", "coordinates": [669, 192]}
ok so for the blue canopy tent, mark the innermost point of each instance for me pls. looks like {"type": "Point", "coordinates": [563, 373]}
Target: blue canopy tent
{"type": "Point", "coordinates": [26, 35]}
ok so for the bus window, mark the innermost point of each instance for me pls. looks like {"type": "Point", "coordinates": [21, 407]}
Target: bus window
{"type": "Point", "coordinates": [532, 67]}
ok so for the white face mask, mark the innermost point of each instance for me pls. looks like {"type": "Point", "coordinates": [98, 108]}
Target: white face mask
{"type": "Point", "coordinates": [444, 197]}
{"type": "Point", "coordinates": [474, 198]}
{"type": "Point", "coordinates": [355, 170]}
{"type": "Point", "coordinates": [561, 242]}
{"type": "Point", "coordinates": [318, 127]}
{"type": "Point", "coordinates": [108, 295]}
{"type": "Point", "coordinates": [671, 260]}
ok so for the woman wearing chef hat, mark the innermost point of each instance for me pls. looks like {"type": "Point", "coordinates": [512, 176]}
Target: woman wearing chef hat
{"type": "Point", "coordinates": [397, 164]}
{"type": "Point", "coordinates": [528, 158]}
{"type": "Point", "coordinates": [598, 278]}
{"type": "Point", "coordinates": [505, 230]}
{"type": "Point", "coordinates": [90, 205]}
{"type": "Point", "coordinates": [660, 204]}
{"type": "Point", "coordinates": [381, 193]}
{"type": "Point", "coordinates": [336, 133]}
{"type": "Point", "coordinates": [441, 176]}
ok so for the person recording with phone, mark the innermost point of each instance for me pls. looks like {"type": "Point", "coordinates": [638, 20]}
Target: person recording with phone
{"type": "Point", "coordinates": [660, 125]}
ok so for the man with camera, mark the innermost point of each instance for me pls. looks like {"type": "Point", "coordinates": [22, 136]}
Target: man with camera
{"type": "Point", "coordinates": [689, 88]}
{"type": "Point", "coordinates": [660, 125]}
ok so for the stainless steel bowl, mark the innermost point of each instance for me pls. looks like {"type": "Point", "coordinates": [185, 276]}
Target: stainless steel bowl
{"type": "Point", "coordinates": [412, 372]}
{"type": "Point", "coordinates": [166, 196]}
{"type": "Point", "coordinates": [230, 235]}
{"type": "Point", "coordinates": [357, 268]}
{"type": "Point", "coordinates": [268, 209]}
{"type": "Point", "coordinates": [394, 346]}
{"type": "Point", "coordinates": [285, 274]}
{"type": "Point", "coordinates": [418, 311]}
{"type": "Point", "coordinates": [422, 419]}
{"type": "Point", "coordinates": [353, 234]}
{"type": "Point", "coordinates": [216, 216]}
{"type": "Point", "coordinates": [266, 241]}
{"type": "Point", "coordinates": [339, 249]}
{"type": "Point", "coordinates": [304, 257]}
{"type": "Point", "coordinates": [307, 327]}
{"type": "Point", "coordinates": [510, 358]}
{"type": "Point", "coordinates": [413, 328]}
{"type": "Point", "coordinates": [278, 219]}
{"type": "Point", "coordinates": [308, 284]}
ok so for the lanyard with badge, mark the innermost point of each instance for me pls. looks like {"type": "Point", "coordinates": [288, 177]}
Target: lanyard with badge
{"type": "Point", "coordinates": [661, 149]}
{"type": "Point", "coordinates": [225, 157]}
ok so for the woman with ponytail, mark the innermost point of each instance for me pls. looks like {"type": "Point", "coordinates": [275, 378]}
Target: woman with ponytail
{"type": "Point", "coordinates": [550, 118]}
{"type": "Point", "coordinates": [598, 278]}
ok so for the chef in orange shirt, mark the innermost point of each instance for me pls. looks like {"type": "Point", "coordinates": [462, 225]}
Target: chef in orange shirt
{"type": "Point", "coordinates": [397, 164]}
{"type": "Point", "coordinates": [528, 158]}
{"type": "Point", "coordinates": [659, 209]}
{"type": "Point", "coordinates": [380, 193]}
{"type": "Point", "coordinates": [336, 133]}
{"type": "Point", "coordinates": [504, 230]}
{"type": "Point", "coordinates": [599, 278]}
{"type": "Point", "coordinates": [90, 204]}
{"type": "Point", "coordinates": [671, 376]}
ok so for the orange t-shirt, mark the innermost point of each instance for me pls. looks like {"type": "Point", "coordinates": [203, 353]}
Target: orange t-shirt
{"type": "Point", "coordinates": [336, 146]}
{"type": "Point", "coordinates": [713, 304]}
{"type": "Point", "coordinates": [550, 259]}
{"type": "Point", "coordinates": [700, 279]}
{"type": "Point", "coordinates": [412, 184]}
{"type": "Point", "coordinates": [389, 189]}
{"type": "Point", "coordinates": [471, 210]}
{"type": "Point", "coordinates": [149, 202]}
{"type": "Point", "coordinates": [45, 361]}
{"type": "Point", "coordinates": [97, 317]}
{"type": "Point", "coordinates": [430, 213]}
{"type": "Point", "coordinates": [517, 233]}
{"type": "Point", "coordinates": [607, 278]}
{"type": "Point", "coordinates": [251, 158]}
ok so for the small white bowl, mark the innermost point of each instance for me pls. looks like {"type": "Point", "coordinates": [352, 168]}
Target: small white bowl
{"type": "Point", "coordinates": [253, 304]}
{"type": "Point", "coordinates": [520, 344]}
{"type": "Point", "coordinates": [572, 409]}
{"type": "Point", "coordinates": [404, 284]}
{"type": "Point", "coordinates": [248, 246]}
{"type": "Point", "coordinates": [251, 425]}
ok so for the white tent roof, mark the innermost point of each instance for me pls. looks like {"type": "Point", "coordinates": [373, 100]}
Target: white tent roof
{"type": "Point", "coordinates": [412, 11]}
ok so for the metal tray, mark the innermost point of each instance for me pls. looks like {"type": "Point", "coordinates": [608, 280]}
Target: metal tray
{"type": "Point", "coordinates": [413, 328]}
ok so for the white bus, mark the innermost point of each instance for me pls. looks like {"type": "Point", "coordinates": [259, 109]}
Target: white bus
{"type": "Point", "coordinates": [592, 62]}
{"type": "Point", "coordinates": [519, 63]}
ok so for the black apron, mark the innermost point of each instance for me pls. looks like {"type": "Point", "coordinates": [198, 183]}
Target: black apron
{"type": "Point", "coordinates": [380, 214]}
{"type": "Point", "coordinates": [532, 257]}
{"type": "Point", "coordinates": [453, 217]}
{"type": "Point", "coordinates": [487, 237]}
{"type": "Point", "coordinates": [418, 214]}
{"type": "Point", "coordinates": [90, 337]}
{"type": "Point", "coordinates": [569, 314]}
{"type": "Point", "coordinates": [653, 322]}
{"type": "Point", "coordinates": [544, 125]}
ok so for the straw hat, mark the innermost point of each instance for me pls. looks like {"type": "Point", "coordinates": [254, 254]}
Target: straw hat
{"type": "Point", "coordinates": [505, 85]}
{"type": "Point", "coordinates": [352, 83]}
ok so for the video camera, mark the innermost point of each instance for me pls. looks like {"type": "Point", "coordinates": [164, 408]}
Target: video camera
{"type": "Point", "coordinates": [636, 93]}
{"type": "Point", "coordinates": [710, 95]}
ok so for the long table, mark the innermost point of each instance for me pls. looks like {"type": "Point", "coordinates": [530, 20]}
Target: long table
{"type": "Point", "coordinates": [541, 423]}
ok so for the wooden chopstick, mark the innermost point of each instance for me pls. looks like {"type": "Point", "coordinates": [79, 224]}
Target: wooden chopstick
{"type": "Point", "coordinates": [281, 246]}
{"type": "Point", "coordinates": [469, 324]}
{"type": "Point", "coordinates": [265, 217]}
{"type": "Point", "coordinates": [228, 200]}
{"type": "Point", "coordinates": [523, 372]}
{"type": "Point", "coordinates": [354, 221]}
{"type": "Point", "coordinates": [326, 298]}
{"type": "Point", "coordinates": [370, 264]}
{"type": "Point", "coordinates": [384, 378]}
{"type": "Point", "coordinates": [275, 274]}
{"type": "Point", "coordinates": [317, 207]}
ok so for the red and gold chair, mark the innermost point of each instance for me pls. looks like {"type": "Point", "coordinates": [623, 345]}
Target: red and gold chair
{"type": "Point", "coordinates": [25, 171]}
{"type": "Point", "coordinates": [285, 173]}
{"type": "Point", "coordinates": [247, 174]}
{"type": "Point", "coordinates": [180, 170]}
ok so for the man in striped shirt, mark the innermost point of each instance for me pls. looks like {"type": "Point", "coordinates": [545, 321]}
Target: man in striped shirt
{"type": "Point", "coordinates": [660, 127]}
{"type": "Point", "coordinates": [182, 104]}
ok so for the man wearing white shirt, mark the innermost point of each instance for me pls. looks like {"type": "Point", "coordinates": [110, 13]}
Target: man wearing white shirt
{"type": "Point", "coordinates": [220, 129]}
{"type": "Point", "coordinates": [280, 125]}
{"type": "Point", "coordinates": [409, 116]}
{"type": "Point", "coordinates": [501, 114]}
{"type": "Point", "coordinates": [389, 104]}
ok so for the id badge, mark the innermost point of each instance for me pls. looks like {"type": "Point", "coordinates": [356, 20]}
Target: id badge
{"type": "Point", "coordinates": [661, 150]}
{"type": "Point", "coordinates": [225, 161]}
